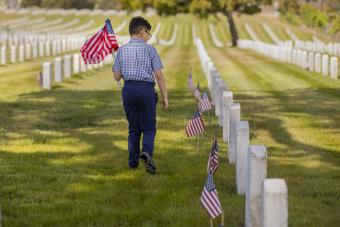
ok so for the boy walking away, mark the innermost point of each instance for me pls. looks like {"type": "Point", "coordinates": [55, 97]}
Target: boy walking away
{"type": "Point", "coordinates": [139, 64]}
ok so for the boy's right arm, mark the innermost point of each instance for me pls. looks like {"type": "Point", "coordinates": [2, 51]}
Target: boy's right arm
{"type": "Point", "coordinates": [162, 87]}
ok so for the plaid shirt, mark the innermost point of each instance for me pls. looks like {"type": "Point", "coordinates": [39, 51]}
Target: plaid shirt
{"type": "Point", "coordinates": [137, 60]}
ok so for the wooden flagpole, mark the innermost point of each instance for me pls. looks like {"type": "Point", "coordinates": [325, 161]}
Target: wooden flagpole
{"type": "Point", "coordinates": [211, 222]}
{"type": "Point", "coordinates": [222, 219]}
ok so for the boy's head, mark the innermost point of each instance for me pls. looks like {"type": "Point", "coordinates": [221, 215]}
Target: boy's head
{"type": "Point", "coordinates": [140, 27]}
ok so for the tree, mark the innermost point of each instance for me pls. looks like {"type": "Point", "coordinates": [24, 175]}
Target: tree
{"type": "Point", "coordinates": [226, 7]}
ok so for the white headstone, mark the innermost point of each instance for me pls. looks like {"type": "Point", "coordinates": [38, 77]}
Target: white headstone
{"type": "Point", "coordinates": [28, 51]}
{"type": "Point", "coordinates": [82, 65]}
{"type": "Point", "coordinates": [3, 58]}
{"type": "Point", "coordinates": [256, 173]}
{"type": "Point", "coordinates": [54, 48]}
{"type": "Point", "coordinates": [325, 65]}
{"type": "Point", "coordinates": [274, 203]}
{"type": "Point", "coordinates": [35, 50]}
{"type": "Point", "coordinates": [47, 76]}
{"type": "Point", "coordinates": [67, 66]}
{"type": "Point", "coordinates": [59, 47]}
{"type": "Point", "coordinates": [41, 49]}
{"type": "Point", "coordinates": [13, 54]}
{"type": "Point", "coordinates": [227, 101]}
{"type": "Point", "coordinates": [317, 63]}
{"type": "Point", "coordinates": [235, 112]}
{"type": "Point", "coordinates": [304, 62]}
{"type": "Point", "coordinates": [48, 48]}
{"type": "Point", "coordinates": [221, 88]}
{"type": "Point", "coordinates": [76, 64]}
{"type": "Point", "coordinates": [21, 53]}
{"type": "Point", "coordinates": [334, 68]}
{"type": "Point", "coordinates": [242, 144]}
{"type": "Point", "coordinates": [58, 77]}
{"type": "Point", "coordinates": [311, 61]}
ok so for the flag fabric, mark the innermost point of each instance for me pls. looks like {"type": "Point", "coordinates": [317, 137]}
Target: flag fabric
{"type": "Point", "coordinates": [190, 83]}
{"type": "Point", "coordinates": [100, 45]}
{"type": "Point", "coordinates": [213, 158]}
{"type": "Point", "coordinates": [209, 198]}
{"type": "Point", "coordinates": [195, 125]}
{"type": "Point", "coordinates": [204, 104]}
{"type": "Point", "coordinates": [197, 92]}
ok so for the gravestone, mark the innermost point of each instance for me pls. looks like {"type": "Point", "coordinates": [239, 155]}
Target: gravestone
{"type": "Point", "coordinates": [274, 203]}
{"type": "Point", "coordinates": [325, 65]}
{"type": "Point", "coordinates": [334, 68]}
{"type": "Point", "coordinates": [317, 63]}
{"type": "Point", "coordinates": [227, 101]}
{"type": "Point", "coordinates": [67, 66]}
{"type": "Point", "coordinates": [21, 53]}
{"type": "Point", "coordinates": [256, 173]}
{"type": "Point", "coordinates": [3, 57]}
{"type": "Point", "coordinates": [235, 112]}
{"type": "Point", "coordinates": [47, 76]}
{"type": "Point", "coordinates": [13, 54]}
{"type": "Point", "coordinates": [76, 63]}
{"type": "Point", "coordinates": [242, 144]}
{"type": "Point", "coordinates": [58, 77]}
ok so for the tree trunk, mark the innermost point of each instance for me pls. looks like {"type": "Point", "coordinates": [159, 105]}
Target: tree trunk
{"type": "Point", "coordinates": [232, 27]}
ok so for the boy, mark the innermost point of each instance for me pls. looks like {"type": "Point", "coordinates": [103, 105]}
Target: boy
{"type": "Point", "coordinates": [139, 64]}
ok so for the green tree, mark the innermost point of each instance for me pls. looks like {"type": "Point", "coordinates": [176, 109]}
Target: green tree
{"type": "Point", "coordinates": [226, 7]}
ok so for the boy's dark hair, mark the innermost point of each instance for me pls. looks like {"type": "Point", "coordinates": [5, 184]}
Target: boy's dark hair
{"type": "Point", "coordinates": [137, 24]}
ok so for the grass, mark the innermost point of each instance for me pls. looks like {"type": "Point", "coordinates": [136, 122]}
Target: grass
{"type": "Point", "coordinates": [63, 153]}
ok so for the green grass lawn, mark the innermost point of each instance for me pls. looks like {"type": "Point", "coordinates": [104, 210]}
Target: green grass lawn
{"type": "Point", "coordinates": [63, 153]}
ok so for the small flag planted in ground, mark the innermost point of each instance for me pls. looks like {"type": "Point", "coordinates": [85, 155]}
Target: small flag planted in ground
{"type": "Point", "coordinates": [195, 125]}
{"type": "Point", "coordinates": [213, 158]}
{"type": "Point", "coordinates": [100, 45]}
{"type": "Point", "coordinates": [204, 104]}
{"type": "Point", "coordinates": [191, 82]}
{"type": "Point", "coordinates": [197, 92]}
{"type": "Point", "coordinates": [209, 198]}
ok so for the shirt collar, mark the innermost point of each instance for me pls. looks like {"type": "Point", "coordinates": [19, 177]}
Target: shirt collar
{"type": "Point", "coordinates": [137, 40]}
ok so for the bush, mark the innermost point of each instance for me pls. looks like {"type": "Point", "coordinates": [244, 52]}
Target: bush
{"type": "Point", "coordinates": [335, 27]}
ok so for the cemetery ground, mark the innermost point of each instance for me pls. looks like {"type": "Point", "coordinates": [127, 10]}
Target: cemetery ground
{"type": "Point", "coordinates": [63, 157]}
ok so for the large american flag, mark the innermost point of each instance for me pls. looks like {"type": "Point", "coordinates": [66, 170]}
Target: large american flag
{"type": "Point", "coordinates": [197, 92]}
{"type": "Point", "coordinates": [213, 158]}
{"type": "Point", "coordinates": [100, 45]}
{"type": "Point", "coordinates": [190, 82]}
{"type": "Point", "coordinates": [209, 198]}
{"type": "Point", "coordinates": [204, 104]}
{"type": "Point", "coordinates": [195, 125]}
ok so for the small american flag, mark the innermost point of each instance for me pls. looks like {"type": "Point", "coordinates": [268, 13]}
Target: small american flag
{"type": "Point", "coordinates": [197, 92]}
{"type": "Point", "coordinates": [213, 158]}
{"type": "Point", "coordinates": [100, 45]}
{"type": "Point", "coordinates": [190, 83]}
{"type": "Point", "coordinates": [195, 125]}
{"type": "Point", "coordinates": [209, 198]}
{"type": "Point", "coordinates": [204, 104]}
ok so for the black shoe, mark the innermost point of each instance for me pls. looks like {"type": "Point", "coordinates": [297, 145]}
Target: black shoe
{"type": "Point", "coordinates": [150, 165]}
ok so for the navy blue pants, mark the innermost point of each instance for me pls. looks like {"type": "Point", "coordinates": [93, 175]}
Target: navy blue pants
{"type": "Point", "coordinates": [139, 100]}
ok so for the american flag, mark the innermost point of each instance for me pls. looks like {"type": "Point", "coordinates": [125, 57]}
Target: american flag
{"type": "Point", "coordinates": [204, 104]}
{"type": "Point", "coordinates": [209, 198]}
{"type": "Point", "coordinates": [195, 125]}
{"type": "Point", "coordinates": [213, 158]}
{"type": "Point", "coordinates": [100, 45]}
{"type": "Point", "coordinates": [190, 83]}
{"type": "Point", "coordinates": [197, 92]}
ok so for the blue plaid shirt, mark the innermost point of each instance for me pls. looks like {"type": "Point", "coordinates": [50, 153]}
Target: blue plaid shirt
{"type": "Point", "coordinates": [137, 60]}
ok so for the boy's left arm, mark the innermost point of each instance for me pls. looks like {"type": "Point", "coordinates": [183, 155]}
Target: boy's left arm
{"type": "Point", "coordinates": [116, 69]}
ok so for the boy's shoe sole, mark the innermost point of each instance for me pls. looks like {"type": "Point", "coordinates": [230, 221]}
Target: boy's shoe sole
{"type": "Point", "coordinates": [150, 166]}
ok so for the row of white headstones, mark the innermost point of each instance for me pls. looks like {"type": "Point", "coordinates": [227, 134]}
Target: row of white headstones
{"type": "Point", "coordinates": [317, 62]}
{"type": "Point", "coordinates": [41, 49]}
{"type": "Point", "coordinates": [65, 67]}
{"type": "Point", "coordinates": [266, 199]}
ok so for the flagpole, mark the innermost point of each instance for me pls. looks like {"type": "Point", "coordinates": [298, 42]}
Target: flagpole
{"type": "Point", "coordinates": [211, 222]}
{"type": "Point", "coordinates": [222, 219]}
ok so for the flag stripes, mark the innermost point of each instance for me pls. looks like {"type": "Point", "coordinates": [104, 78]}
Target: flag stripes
{"type": "Point", "coordinates": [100, 45]}
{"type": "Point", "coordinates": [209, 198]}
{"type": "Point", "coordinates": [195, 125]}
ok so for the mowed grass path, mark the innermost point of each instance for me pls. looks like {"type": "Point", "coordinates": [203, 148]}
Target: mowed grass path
{"type": "Point", "coordinates": [63, 153]}
{"type": "Point", "coordinates": [296, 114]}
